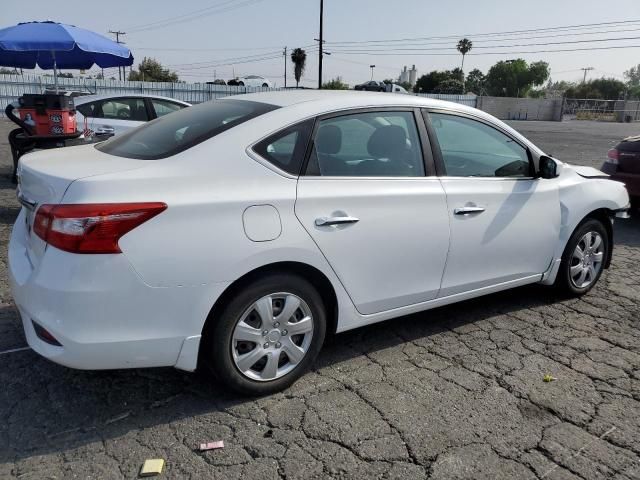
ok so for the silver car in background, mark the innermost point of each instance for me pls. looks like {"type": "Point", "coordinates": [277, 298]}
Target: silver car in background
{"type": "Point", "coordinates": [114, 114]}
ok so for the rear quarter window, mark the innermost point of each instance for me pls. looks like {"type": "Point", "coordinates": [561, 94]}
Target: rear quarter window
{"type": "Point", "coordinates": [286, 148]}
{"type": "Point", "coordinates": [183, 129]}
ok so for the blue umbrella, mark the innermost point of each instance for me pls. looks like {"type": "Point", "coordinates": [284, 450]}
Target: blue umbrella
{"type": "Point", "coordinates": [52, 45]}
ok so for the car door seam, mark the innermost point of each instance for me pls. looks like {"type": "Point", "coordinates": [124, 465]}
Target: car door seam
{"type": "Point", "coordinates": [446, 260]}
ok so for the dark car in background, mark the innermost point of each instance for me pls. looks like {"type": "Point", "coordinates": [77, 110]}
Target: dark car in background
{"type": "Point", "coordinates": [623, 165]}
{"type": "Point", "coordinates": [372, 86]}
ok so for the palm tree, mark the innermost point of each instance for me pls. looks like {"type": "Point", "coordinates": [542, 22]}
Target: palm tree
{"type": "Point", "coordinates": [299, 59]}
{"type": "Point", "coordinates": [464, 46]}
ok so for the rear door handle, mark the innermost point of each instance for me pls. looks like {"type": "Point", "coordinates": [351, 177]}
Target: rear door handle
{"type": "Point", "coordinates": [328, 221]}
{"type": "Point", "coordinates": [105, 129]}
{"type": "Point", "coordinates": [468, 210]}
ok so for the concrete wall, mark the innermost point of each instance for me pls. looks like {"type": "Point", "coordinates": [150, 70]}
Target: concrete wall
{"type": "Point", "coordinates": [507, 108]}
{"type": "Point", "coordinates": [627, 110]}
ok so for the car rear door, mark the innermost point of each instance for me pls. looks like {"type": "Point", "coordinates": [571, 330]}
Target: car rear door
{"type": "Point", "coordinates": [117, 115]}
{"type": "Point", "coordinates": [368, 200]}
{"type": "Point", "coordinates": [505, 222]}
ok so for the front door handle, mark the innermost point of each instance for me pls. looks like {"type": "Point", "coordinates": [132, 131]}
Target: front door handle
{"type": "Point", "coordinates": [468, 210]}
{"type": "Point", "coordinates": [328, 221]}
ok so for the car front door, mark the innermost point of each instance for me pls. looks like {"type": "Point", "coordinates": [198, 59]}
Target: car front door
{"type": "Point", "coordinates": [368, 203]}
{"type": "Point", "coordinates": [505, 222]}
{"type": "Point", "coordinates": [117, 115]}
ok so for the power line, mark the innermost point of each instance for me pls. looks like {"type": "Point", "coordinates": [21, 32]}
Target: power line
{"type": "Point", "coordinates": [611, 47]}
{"type": "Point", "coordinates": [476, 42]}
{"type": "Point", "coordinates": [570, 42]}
{"type": "Point", "coordinates": [195, 12]}
{"type": "Point", "coordinates": [198, 14]}
{"type": "Point", "coordinates": [230, 60]}
{"type": "Point", "coordinates": [511, 32]}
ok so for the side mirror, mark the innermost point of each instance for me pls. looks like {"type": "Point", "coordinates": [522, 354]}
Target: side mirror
{"type": "Point", "coordinates": [547, 168]}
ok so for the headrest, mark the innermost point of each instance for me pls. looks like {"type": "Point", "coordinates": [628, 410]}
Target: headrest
{"type": "Point", "coordinates": [387, 141]}
{"type": "Point", "coordinates": [329, 139]}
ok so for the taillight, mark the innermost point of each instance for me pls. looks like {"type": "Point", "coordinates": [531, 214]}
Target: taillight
{"type": "Point", "coordinates": [612, 156]}
{"type": "Point", "coordinates": [91, 228]}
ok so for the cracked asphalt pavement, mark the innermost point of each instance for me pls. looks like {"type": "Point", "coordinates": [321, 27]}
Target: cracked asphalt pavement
{"type": "Point", "coordinates": [452, 393]}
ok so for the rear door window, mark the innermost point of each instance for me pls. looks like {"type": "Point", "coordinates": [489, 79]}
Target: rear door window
{"type": "Point", "coordinates": [132, 109]}
{"type": "Point", "coordinates": [371, 144]}
{"type": "Point", "coordinates": [183, 129]}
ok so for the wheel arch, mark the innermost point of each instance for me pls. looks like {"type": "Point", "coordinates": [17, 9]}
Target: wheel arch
{"type": "Point", "coordinates": [317, 278]}
{"type": "Point", "coordinates": [604, 215]}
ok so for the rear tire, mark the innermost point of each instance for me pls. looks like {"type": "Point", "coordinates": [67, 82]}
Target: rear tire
{"type": "Point", "coordinates": [251, 347]}
{"type": "Point", "coordinates": [584, 258]}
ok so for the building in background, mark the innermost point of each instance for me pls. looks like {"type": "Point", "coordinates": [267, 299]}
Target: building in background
{"type": "Point", "coordinates": [410, 76]}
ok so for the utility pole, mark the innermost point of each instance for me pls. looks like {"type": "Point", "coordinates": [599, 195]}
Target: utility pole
{"type": "Point", "coordinates": [320, 48]}
{"type": "Point", "coordinates": [121, 70]}
{"type": "Point", "coordinates": [372, 67]}
{"type": "Point", "coordinates": [585, 70]}
{"type": "Point", "coordinates": [285, 67]}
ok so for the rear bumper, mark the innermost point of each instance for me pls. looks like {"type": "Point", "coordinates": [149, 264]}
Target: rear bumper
{"type": "Point", "coordinates": [101, 311]}
{"type": "Point", "coordinates": [631, 180]}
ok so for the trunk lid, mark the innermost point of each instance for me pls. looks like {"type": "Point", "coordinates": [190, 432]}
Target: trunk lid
{"type": "Point", "coordinates": [45, 176]}
{"type": "Point", "coordinates": [629, 155]}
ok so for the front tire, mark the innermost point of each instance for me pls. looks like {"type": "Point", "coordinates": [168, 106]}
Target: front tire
{"type": "Point", "coordinates": [268, 335]}
{"type": "Point", "coordinates": [584, 258]}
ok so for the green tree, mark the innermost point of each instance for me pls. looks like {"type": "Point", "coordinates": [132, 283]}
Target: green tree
{"type": "Point", "coordinates": [514, 78]}
{"type": "Point", "coordinates": [8, 71]}
{"type": "Point", "coordinates": [299, 59]}
{"type": "Point", "coordinates": [65, 75]}
{"type": "Point", "coordinates": [335, 84]}
{"type": "Point", "coordinates": [633, 76]}
{"type": "Point", "coordinates": [475, 82]}
{"type": "Point", "coordinates": [604, 88]}
{"type": "Point", "coordinates": [150, 70]}
{"type": "Point", "coordinates": [464, 46]}
{"type": "Point", "coordinates": [452, 86]}
{"type": "Point", "coordinates": [429, 82]}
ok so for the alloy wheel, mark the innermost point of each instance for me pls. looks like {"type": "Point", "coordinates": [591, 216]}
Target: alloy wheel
{"type": "Point", "coordinates": [586, 260]}
{"type": "Point", "coordinates": [272, 336]}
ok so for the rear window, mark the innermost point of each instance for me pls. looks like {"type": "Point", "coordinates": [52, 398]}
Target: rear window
{"type": "Point", "coordinates": [182, 130]}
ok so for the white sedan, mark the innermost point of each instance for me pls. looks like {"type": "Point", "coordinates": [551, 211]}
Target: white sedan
{"type": "Point", "coordinates": [237, 233]}
{"type": "Point", "coordinates": [251, 81]}
{"type": "Point", "coordinates": [114, 114]}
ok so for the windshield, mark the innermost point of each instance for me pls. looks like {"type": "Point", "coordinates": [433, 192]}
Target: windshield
{"type": "Point", "coordinates": [183, 129]}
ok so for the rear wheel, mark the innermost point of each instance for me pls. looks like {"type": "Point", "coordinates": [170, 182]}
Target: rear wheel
{"type": "Point", "coordinates": [584, 258]}
{"type": "Point", "coordinates": [268, 335]}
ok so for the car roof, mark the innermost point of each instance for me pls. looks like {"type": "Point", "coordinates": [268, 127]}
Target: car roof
{"type": "Point", "coordinates": [339, 99]}
{"type": "Point", "coordinates": [81, 100]}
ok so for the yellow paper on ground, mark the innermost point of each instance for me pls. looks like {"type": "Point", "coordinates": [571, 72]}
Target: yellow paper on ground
{"type": "Point", "coordinates": [152, 467]}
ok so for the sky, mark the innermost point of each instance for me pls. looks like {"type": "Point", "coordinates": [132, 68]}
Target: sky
{"type": "Point", "coordinates": [207, 39]}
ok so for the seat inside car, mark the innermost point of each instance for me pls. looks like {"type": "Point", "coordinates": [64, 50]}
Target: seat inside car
{"type": "Point", "coordinates": [328, 143]}
{"type": "Point", "coordinates": [388, 145]}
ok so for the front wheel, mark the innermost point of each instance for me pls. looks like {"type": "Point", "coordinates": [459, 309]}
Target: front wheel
{"type": "Point", "coordinates": [584, 258]}
{"type": "Point", "coordinates": [268, 335]}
